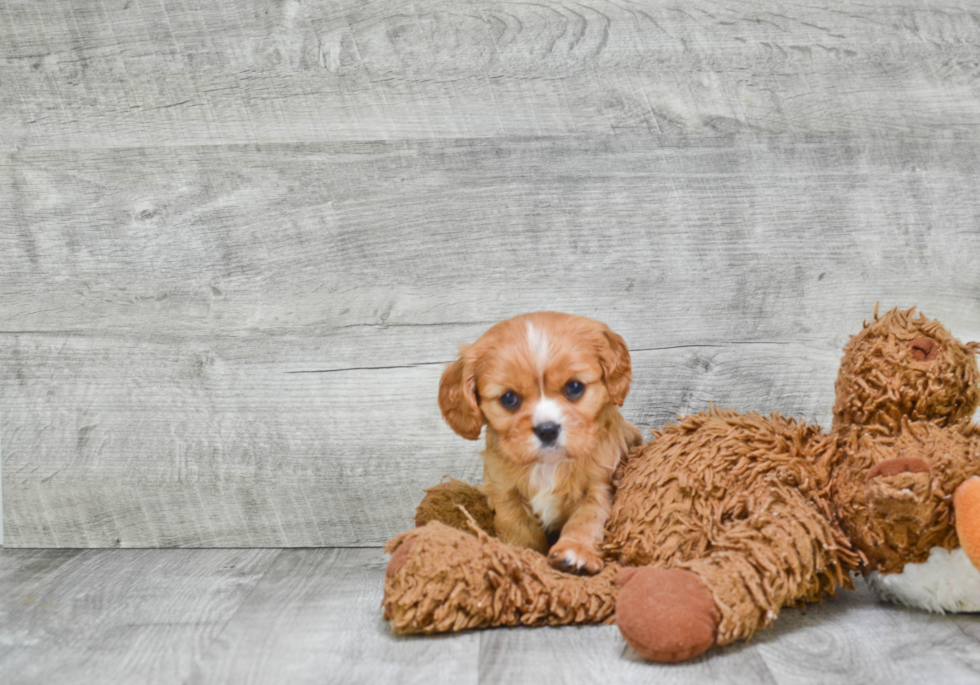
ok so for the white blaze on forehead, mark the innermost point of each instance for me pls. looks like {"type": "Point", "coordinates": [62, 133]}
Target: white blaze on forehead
{"type": "Point", "coordinates": [540, 346]}
{"type": "Point", "coordinates": [547, 411]}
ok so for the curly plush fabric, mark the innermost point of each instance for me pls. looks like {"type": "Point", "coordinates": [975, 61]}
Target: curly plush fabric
{"type": "Point", "coordinates": [739, 502]}
{"type": "Point", "coordinates": [757, 512]}
{"type": "Point", "coordinates": [906, 366]}
{"type": "Point", "coordinates": [896, 518]}
{"type": "Point", "coordinates": [450, 580]}
{"type": "Point", "coordinates": [453, 503]}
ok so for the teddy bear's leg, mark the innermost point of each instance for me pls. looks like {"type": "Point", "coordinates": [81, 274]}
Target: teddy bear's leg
{"type": "Point", "coordinates": [784, 551]}
{"type": "Point", "coordinates": [440, 579]}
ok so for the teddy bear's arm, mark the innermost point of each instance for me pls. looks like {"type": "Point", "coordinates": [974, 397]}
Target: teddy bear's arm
{"type": "Point", "coordinates": [441, 579]}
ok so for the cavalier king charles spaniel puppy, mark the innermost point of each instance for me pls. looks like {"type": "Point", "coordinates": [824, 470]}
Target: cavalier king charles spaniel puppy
{"type": "Point", "coordinates": [547, 386]}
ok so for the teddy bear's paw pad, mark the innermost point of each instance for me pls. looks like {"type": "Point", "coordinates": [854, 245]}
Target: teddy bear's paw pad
{"type": "Point", "coordinates": [665, 615]}
{"type": "Point", "coordinates": [575, 557]}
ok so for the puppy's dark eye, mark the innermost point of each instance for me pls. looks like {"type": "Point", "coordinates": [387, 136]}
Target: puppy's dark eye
{"type": "Point", "coordinates": [574, 389]}
{"type": "Point", "coordinates": [510, 400]}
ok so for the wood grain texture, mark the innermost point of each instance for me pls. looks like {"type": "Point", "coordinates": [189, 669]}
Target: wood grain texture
{"type": "Point", "coordinates": [240, 239]}
{"type": "Point", "coordinates": [316, 617]}
{"type": "Point", "coordinates": [141, 448]}
{"type": "Point", "coordinates": [590, 654]}
{"type": "Point", "coordinates": [124, 74]}
{"type": "Point", "coordinates": [855, 639]}
{"type": "Point", "coordinates": [6, 204]}
{"type": "Point", "coordinates": [851, 639]}
{"type": "Point", "coordinates": [313, 615]}
{"type": "Point", "coordinates": [136, 616]}
{"type": "Point", "coordinates": [241, 346]}
{"type": "Point", "coordinates": [359, 244]}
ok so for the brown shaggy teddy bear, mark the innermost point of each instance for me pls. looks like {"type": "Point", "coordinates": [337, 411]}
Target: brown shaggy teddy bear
{"type": "Point", "coordinates": [724, 518]}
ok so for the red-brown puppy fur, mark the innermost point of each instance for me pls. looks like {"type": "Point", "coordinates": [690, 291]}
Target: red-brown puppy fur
{"type": "Point", "coordinates": [547, 386]}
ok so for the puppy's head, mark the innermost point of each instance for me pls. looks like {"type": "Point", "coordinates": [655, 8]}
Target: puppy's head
{"type": "Point", "coordinates": [540, 382]}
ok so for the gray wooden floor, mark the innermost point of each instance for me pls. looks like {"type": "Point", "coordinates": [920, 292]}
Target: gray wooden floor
{"type": "Point", "coordinates": [313, 616]}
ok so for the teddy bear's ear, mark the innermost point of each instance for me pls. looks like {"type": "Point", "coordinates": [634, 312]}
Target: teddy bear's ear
{"type": "Point", "coordinates": [457, 398]}
{"type": "Point", "coordinates": [924, 349]}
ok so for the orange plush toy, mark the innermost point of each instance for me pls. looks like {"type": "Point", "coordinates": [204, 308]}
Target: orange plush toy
{"type": "Point", "coordinates": [724, 518]}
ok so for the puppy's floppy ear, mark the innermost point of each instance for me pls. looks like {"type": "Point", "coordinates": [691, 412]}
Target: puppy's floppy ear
{"type": "Point", "coordinates": [457, 398]}
{"type": "Point", "coordinates": [617, 371]}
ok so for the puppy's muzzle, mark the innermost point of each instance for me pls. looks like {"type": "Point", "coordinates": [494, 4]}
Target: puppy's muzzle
{"type": "Point", "coordinates": [547, 432]}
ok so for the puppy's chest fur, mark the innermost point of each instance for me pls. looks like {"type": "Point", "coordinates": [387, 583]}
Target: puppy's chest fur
{"type": "Point", "coordinates": [548, 499]}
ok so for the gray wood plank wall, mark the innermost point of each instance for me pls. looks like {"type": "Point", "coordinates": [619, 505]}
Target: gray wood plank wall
{"type": "Point", "coordinates": [240, 240]}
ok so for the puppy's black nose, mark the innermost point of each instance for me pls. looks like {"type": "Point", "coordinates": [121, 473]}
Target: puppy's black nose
{"type": "Point", "coordinates": [547, 432]}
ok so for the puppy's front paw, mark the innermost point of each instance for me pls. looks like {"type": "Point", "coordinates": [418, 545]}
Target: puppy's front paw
{"type": "Point", "coordinates": [575, 557]}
